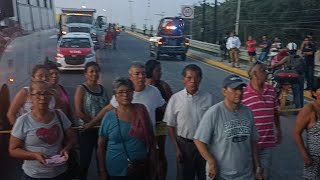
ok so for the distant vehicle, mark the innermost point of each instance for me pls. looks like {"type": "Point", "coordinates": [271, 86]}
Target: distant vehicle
{"type": "Point", "coordinates": [169, 39]}
{"type": "Point", "coordinates": [77, 20]}
{"type": "Point", "coordinates": [74, 50]}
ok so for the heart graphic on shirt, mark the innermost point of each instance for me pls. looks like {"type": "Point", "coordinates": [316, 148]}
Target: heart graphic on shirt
{"type": "Point", "coordinates": [49, 136]}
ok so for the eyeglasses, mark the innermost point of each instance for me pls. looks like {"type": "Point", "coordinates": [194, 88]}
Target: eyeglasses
{"type": "Point", "coordinates": [124, 93]}
{"type": "Point", "coordinates": [39, 94]}
{"type": "Point", "coordinates": [137, 74]}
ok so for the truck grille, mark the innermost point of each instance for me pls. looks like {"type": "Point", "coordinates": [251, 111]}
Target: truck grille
{"type": "Point", "coordinates": [78, 60]}
{"type": "Point", "coordinates": [80, 29]}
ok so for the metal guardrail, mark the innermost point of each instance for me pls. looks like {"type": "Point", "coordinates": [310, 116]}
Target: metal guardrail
{"type": "Point", "coordinates": [215, 49]}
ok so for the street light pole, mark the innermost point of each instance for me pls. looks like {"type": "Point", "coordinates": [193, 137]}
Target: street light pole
{"type": "Point", "coordinates": [238, 18]}
{"type": "Point", "coordinates": [203, 20]}
{"type": "Point", "coordinates": [130, 11]}
{"type": "Point", "coordinates": [215, 21]}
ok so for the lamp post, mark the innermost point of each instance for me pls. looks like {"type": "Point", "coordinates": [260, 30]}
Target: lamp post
{"type": "Point", "coordinates": [130, 11]}
{"type": "Point", "coordinates": [238, 18]}
{"type": "Point", "coordinates": [203, 20]}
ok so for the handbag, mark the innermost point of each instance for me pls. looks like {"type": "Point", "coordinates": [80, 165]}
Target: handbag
{"type": "Point", "coordinates": [136, 168]}
{"type": "Point", "coordinates": [73, 165]}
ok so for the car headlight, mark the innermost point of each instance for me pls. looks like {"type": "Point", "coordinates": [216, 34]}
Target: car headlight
{"type": "Point", "coordinates": [58, 55]}
{"type": "Point", "coordinates": [90, 55]}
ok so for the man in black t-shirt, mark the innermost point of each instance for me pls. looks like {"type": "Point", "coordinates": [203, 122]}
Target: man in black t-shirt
{"type": "Point", "coordinates": [308, 50]}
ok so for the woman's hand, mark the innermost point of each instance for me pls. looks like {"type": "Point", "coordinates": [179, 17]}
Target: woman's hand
{"type": "Point", "coordinates": [307, 160]}
{"type": "Point", "coordinates": [40, 157]}
{"type": "Point", "coordinates": [103, 175]}
{"type": "Point", "coordinates": [64, 153]}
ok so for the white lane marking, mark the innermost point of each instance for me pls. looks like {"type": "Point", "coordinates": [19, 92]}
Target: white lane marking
{"type": "Point", "coordinates": [53, 37]}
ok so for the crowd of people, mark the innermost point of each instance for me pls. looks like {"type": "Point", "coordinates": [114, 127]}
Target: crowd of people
{"type": "Point", "coordinates": [231, 139]}
{"type": "Point", "coordinates": [300, 59]}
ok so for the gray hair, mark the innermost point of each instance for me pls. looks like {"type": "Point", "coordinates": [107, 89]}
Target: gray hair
{"type": "Point", "coordinates": [136, 64]}
{"type": "Point", "coordinates": [122, 81]}
{"type": "Point", "coordinates": [33, 83]}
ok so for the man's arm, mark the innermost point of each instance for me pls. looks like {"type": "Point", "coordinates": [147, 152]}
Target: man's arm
{"type": "Point", "coordinates": [302, 121]}
{"type": "Point", "coordinates": [256, 160]}
{"type": "Point", "coordinates": [278, 127]}
{"type": "Point", "coordinates": [202, 148]}
{"type": "Point", "coordinates": [173, 136]}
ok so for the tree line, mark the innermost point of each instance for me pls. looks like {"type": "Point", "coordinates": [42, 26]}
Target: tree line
{"type": "Point", "coordinates": [290, 20]}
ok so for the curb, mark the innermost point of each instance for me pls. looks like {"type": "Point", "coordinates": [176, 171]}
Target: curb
{"type": "Point", "coordinates": [243, 73]}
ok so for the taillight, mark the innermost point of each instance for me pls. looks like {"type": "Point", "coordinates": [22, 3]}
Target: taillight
{"type": "Point", "coordinates": [161, 41]}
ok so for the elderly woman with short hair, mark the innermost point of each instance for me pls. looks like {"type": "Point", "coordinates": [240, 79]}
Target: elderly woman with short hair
{"type": "Point", "coordinates": [125, 136]}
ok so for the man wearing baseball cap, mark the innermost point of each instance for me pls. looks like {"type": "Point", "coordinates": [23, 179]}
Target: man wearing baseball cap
{"type": "Point", "coordinates": [226, 136]}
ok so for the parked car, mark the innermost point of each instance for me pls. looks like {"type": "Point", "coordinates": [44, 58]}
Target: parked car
{"type": "Point", "coordinates": [74, 50]}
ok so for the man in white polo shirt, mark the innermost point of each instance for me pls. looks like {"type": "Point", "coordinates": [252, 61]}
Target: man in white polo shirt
{"type": "Point", "coordinates": [183, 114]}
{"type": "Point", "coordinates": [144, 94]}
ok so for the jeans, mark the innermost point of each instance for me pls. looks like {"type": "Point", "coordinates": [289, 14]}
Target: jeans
{"type": "Point", "coordinates": [265, 155]}
{"type": "Point", "coordinates": [263, 57]}
{"type": "Point", "coordinates": [309, 75]}
{"type": "Point", "coordinates": [297, 90]}
{"type": "Point", "coordinates": [87, 142]}
{"type": "Point", "coordinates": [63, 176]}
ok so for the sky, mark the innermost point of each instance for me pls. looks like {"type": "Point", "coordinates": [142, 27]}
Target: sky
{"type": "Point", "coordinates": [119, 11]}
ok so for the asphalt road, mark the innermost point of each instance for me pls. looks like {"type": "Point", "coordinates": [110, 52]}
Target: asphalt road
{"type": "Point", "coordinates": [286, 164]}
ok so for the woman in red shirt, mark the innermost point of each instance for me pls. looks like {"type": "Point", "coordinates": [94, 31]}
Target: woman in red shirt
{"type": "Point", "coordinates": [251, 47]}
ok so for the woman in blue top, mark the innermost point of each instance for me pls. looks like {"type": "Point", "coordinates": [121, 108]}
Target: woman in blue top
{"type": "Point", "coordinates": [124, 136]}
{"type": "Point", "coordinates": [89, 99]}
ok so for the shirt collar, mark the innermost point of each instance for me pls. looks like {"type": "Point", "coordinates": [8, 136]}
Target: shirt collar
{"type": "Point", "coordinates": [251, 90]}
{"type": "Point", "coordinates": [189, 95]}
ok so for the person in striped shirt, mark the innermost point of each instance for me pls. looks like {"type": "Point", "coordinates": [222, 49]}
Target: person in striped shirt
{"type": "Point", "coordinates": [261, 98]}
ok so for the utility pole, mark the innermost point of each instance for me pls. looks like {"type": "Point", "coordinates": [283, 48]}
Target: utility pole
{"type": "Point", "coordinates": [238, 18]}
{"type": "Point", "coordinates": [130, 11]}
{"type": "Point", "coordinates": [215, 21]}
{"type": "Point", "coordinates": [203, 20]}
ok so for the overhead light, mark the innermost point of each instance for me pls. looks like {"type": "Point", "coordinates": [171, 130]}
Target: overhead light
{"type": "Point", "coordinates": [84, 6]}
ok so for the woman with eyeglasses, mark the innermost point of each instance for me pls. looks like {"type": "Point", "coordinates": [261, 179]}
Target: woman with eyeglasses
{"type": "Point", "coordinates": [90, 97]}
{"type": "Point", "coordinates": [42, 137]}
{"type": "Point", "coordinates": [125, 137]}
{"type": "Point", "coordinates": [21, 103]}
{"type": "Point", "coordinates": [60, 94]}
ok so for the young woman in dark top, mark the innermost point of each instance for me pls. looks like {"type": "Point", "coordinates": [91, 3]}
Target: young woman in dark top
{"type": "Point", "coordinates": [153, 74]}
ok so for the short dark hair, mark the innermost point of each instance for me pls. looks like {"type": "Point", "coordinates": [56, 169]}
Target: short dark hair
{"type": "Point", "coordinates": [89, 64]}
{"type": "Point", "coordinates": [122, 81]}
{"type": "Point", "coordinates": [192, 67]}
{"type": "Point", "coordinates": [315, 87]}
{"type": "Point", "coordinates": [150, 66]}
{"type": "Point", "coordinates": [51, 65]}
{"type": "Point", "coordinates": [37, 67]}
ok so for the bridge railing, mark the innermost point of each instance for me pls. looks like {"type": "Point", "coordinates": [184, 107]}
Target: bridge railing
{"type": "Point", "coordinates": [215, 49]}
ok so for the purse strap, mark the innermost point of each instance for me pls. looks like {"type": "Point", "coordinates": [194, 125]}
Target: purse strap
{"type": "Point", "coordinates": [121, 137]}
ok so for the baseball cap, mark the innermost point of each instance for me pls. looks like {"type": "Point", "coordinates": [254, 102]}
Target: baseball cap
{"type": "Point", "coordinates": [233, 81]}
